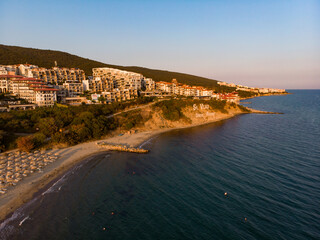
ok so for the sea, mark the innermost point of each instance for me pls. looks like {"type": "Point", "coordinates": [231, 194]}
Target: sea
{"type": "Point", "coordinates": [255, 176]}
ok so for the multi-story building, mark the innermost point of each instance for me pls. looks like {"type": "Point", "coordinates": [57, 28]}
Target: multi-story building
{"type": "Point", "coordinates": [55, 75]}
{"type": "Point", "coordinates": [9, 70]}
{"type": "Point", "coordinates": [58, 75]}
{"type": "Point", "coordinates": [73, 89]}
{"type": "Point", "coordinates": [25, 69]}
{"type": "Point", "coordinates": [98, 85]}
{"type": "Point", "coordinates": [109, 78]}
{"type": "Point", "coordinates": [229, 97]}
{"type": "Point", "coordinates": [165, 87]}
{"type": "Point", "coordinates": [31, 89]}
{"type": "Point", "coordinates": [3, 71]}
{"type": "Point", "coordinates": [87, 85]}
{"type": "Point", "coordinates": [118, 95]}
{"type": "Point", "coordinates": [149, 84]}
{"type": "Point", "coordinates": [5, 81]}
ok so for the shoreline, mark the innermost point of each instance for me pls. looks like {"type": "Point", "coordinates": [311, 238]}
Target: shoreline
{"type": "Point", "coordinates": [32, 185]}
{"type": "Point", "coordinates": [19, 195]}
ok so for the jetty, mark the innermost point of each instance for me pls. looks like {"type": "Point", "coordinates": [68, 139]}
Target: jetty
{"type": "Point", "coordinates": [262, 112]}
{"type": "Point", "coordinates": [122, 148]}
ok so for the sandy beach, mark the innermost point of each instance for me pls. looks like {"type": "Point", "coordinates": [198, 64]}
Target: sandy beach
{"type": "Point", "coordinates": [65, 158]}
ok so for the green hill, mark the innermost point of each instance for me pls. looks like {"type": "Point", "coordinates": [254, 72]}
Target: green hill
{"type": "Point", "coordinates": [46, 58]}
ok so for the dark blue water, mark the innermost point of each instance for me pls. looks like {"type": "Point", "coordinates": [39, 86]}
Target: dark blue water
{"type": "Point", "coordinates": [268, 164]}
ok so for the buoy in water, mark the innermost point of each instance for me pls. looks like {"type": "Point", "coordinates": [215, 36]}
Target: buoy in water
{"type": "Point", "coordinates": [104, 229]}
{"type": "Point", "coordinates": [226, 194]}
{"type": "Point", "coordinates": [245, 219]}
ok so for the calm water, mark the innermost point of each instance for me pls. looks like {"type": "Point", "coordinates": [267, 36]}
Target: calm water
{"type": "Point", "coordinates": [268, 164]}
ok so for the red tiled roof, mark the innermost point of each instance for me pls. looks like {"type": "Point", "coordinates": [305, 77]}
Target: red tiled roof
{"type": "Point", "coordinates": [31, 82]}
{"type": "Point", "coordinates": [11, 76]}
{"type": "Point", "coordinates": [45, 89]}
{"type": "Point", "coordinates": [26, 79]}
{"type": "Point", "coordinates": [36, 86]}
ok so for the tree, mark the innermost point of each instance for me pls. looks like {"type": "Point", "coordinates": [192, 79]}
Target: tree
{"type": "Point", "coordinates": [101, 99]}
{"type": "Point", "coordinates": [48, 126]}
{"type": "Point", "coordinates": [25, 144]}
{"type": "Point", "coordinates": [39, 139]}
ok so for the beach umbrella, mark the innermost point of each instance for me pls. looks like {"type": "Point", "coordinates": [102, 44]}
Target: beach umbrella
{"type": "Point", "coordinates": [33, 167]}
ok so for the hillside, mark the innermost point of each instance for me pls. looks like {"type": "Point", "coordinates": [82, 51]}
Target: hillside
{"type": "Point", "coordinates": [46, 58]}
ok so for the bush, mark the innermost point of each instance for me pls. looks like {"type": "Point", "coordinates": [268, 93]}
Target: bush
{"type": "Point", "coordinates": [39, 139]}
{"type": "Point", "coordinates": [25, 144]}
{"type": "Point", "coordinates": [171, 109]}
{"type": "Point", "coordinates": [48, 126]}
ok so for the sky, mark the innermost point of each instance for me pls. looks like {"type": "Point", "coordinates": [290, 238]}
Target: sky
{"type": "Point", "coordinates": [271, 43]}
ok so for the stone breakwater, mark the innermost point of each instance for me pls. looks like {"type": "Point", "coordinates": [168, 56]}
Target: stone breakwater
{"type": "Point", "coordinates": [16, 165]}
{"type": "Point", "coordinates": [122, 148]}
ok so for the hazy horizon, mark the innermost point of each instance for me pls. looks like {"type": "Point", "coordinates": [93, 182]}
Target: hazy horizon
{"type": "Point", "coordinates": [262, 43]}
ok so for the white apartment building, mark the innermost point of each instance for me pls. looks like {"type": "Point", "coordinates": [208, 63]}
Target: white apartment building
{"type": "Point", "coordinates": [30, 89]}
{"type": "Point", "coordinates": [114, 78]}
{"type": "Point", "coordinates": [45, 97]}
{"type": "Point", "coordinates": [25, 70]}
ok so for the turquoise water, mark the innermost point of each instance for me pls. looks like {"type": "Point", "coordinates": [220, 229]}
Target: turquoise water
{"type": "Point", "coordinates": [268, 164]}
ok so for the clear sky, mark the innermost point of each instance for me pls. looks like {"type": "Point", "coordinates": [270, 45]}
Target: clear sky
{"type": "Point", "coordinates": [271, 43]}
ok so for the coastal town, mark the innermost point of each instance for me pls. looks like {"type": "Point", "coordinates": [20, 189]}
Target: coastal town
{"type": "Point", "coordinates": [27, 86]}
{"type": "Point", "coordinates": [42, 87]}
{"type": "Point", "coordinates": [142, 120]}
